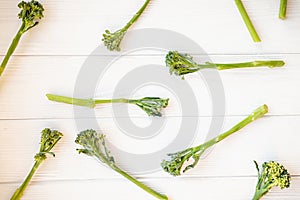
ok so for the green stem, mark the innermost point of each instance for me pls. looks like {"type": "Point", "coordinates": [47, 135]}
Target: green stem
{"type": "Point", "coordinates": [259, 193]}
{"type": "Point", "coordinates": [12, 48]}
{"type": "Point", "coordinates": [79, 102]}
{"type": "Point", "coordinates": [140, 184]}
{"type": "Point", "coordinates": [19, 192]}
{"type": "Point", "coordinates": [121, 100]}
{"type": "Point", "coordinates": [247, 21]}
{"type": "Point", "coordinates": [257, 196]}
{"type": "Point", "coordinates": [91, 103]}
{"type": "Point", "coordinates": [261, 188]}
{"type": "Point", "coordinates": [282, 9]}
{"type": "Point", "coordinates": [259, 112]}
{"type": "Point", "coordinates": [257, 63]}
{"type": "Point", "coordinates": [136, 16]}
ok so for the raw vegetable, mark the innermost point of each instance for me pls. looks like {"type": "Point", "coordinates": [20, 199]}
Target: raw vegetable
{"type": "Point", "coordinates": [48, 141]}
{"type": "Point", "coordinates": [113, 40]}
{"type": "Point", "coordinates": [247, 21]}
{"type": "Point", "coordinates": [30, 13]}
{"type": "Point", "coordinates": [174, 166]}
{"type": "Point", "coordinates": [151, 105]}
{"type": "Point", "coordinates": [282, 9]}
{"type": "Point", "coordinates": [181, 64]}
{"type": "Point", "coordinates": [272, 174]}
{"type": "Point", "coordinates": [93, 145]}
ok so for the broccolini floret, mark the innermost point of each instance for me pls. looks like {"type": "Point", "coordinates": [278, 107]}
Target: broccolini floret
{"type": "Point", "coordinates": [113, 40]}
{"type": "Point", "coordinates": [30, 14]}
{"type": "Point", "coordinates": [272, 174]}
{"type": "Point", "coordinates": [49, 139]}
{"type": "Point", "coordinates": [93, 145]}
{"type": "Point", "coordinates": [151, 105]}
{"type": "Point", "coordinates": [175, 164]}
{"type": "Point", "coordinates": [181, 64]}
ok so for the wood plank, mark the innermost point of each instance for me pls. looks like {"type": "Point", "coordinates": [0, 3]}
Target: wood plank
{"type": "Point", "coordinates": [76, 29]}
{"type": "Point", "coordinates": [270, 138]}
{"type": "Point", "coordinates": [175, 188]}
{"type": "Point", "coordinates": [28, 79]}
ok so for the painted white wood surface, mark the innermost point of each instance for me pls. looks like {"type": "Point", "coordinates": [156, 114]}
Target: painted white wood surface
{"type": "Point", "coordinates": [50, 56]}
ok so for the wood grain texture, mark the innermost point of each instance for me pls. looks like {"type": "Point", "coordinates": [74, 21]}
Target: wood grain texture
{"type": "Point", "coordinates": [39, 75]}
{"type": "Point", "coordinates": [215, 25]}
{"type": "Point", "coordinates": [261, 141]}
{"type": "Point", "coordinates": [50, 57]}
{"type": "Point", "coordinates": [228, 188]}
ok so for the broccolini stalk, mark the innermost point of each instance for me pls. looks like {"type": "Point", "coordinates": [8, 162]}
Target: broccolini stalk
{"type": "Point", "coordinates": [282, 9]}
{"type": "Point", "coordinates": [94, 145]}
{"type": "Point", "coordinates": [113, 40]}
{"type": "Point", "coordinates": [181, 64]}
{"type": "Point", "coordinates": [247, 21]}
{"type": "Point", "coordinates": [151, 105]}
{"type": "Point", "coordinates": [48, 140]}
{"type": "Point", "coordinates": [30, 13]}
{"type": "Point", "coordinates": [175, 164]}
{"type": "Point", "coordinates": [272, 174]}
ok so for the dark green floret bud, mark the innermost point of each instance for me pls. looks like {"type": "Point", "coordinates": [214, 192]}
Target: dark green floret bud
{"type": "Point", "coordinates": [272, 174]}
{"type": "Point", "coordinates": [30, 13]}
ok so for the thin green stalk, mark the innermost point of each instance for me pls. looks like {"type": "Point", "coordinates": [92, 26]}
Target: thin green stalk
{"type": "Point", "coordinates": [257, 63]}
{"type": "Point", "coordinates": [258, 113]}
{"type": "Point", "coordinates": [19, 192]}
{"type": "Point", "coordinates": [260, 192]}
{"type": "Point", "coordinates": [140, 184]}
{"type": "Point", "coordinates": [247, 21]}
{"type": "Point", "coordinates": [12, 48]}
{"type": "Point", "coordinates": [221, 66]}
{"type": "Point", "coordinates": [181, 64]}
{"type": "Point", "coordinates": [258, 195]}
{"type": "Point", "coordinates": [84, 102]}
{"type": "Point", "coordinates": [136, 16]}
{"type": "Point", "coordinates": [122, 100]}
{"type": "Point", "coordinates": [282, 9]}
{"type": "Point", "coordinates": [69, 100]}
{"type": "Point", "coordinates": [151, 105]}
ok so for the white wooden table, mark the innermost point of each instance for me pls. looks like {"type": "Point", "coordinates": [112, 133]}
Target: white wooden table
{"type": "Point", "coordinates": [48, 60]}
